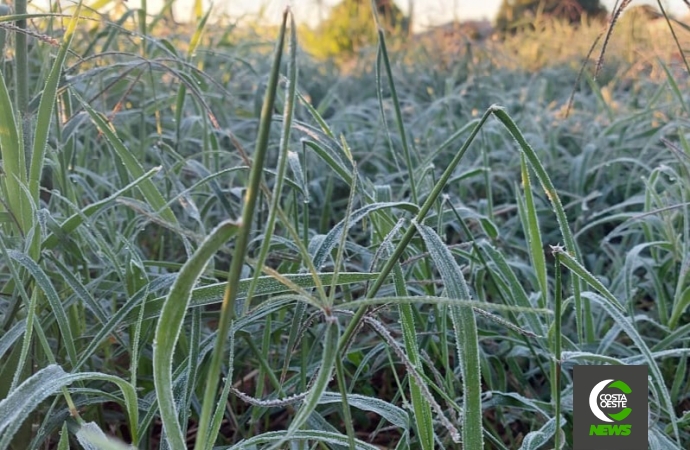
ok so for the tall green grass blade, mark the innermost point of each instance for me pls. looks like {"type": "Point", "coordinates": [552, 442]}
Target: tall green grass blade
{"type": "Point", "coordinates": [9, 338]}
{"type": "Point", "coordinates": [13, 161]}
{"type": "Point", "coordinates": [283, 155]}
{"type": "Point", "coordinates": [533, 234]}
{"type": "Point", "coordinates": [227, 314]}
{"type": "Point", "coordinates": [4, 11]}
{"type": "Point", "coordinates": [46, 106]}
{"type": "Point", "coordinates": [169, 328]}
{"type": "Point", "coordinates": [467, 340]}
{"type": "Point", "coordinates": [557, 337]}
{"type": "Point", "coordinates": [396, 107]}
{"type": "Point", "coordinates": [219, 413]}
{"type": "Point", "coordinates": [679, 308]}
{"type": "Point", "coordinates": [423, 417]}
{"type": "Point", "coordinates": [331, 159]}
{"type": "Point", "coordinates": [585, 325]}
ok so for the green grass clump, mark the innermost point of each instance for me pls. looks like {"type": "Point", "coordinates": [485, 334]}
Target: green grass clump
{"type": "Point", "coordinates": [223, 243]}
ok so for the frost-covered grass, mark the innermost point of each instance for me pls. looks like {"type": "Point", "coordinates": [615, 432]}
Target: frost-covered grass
{"type": "Point", "coordinates": [207, 242]}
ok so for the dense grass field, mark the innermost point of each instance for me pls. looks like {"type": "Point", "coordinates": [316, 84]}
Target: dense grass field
{"type": "Point", "coordinates": [210, 239]}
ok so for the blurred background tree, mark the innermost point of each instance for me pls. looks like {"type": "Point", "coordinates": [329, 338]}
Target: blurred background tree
{"type": "Point", "coordinates": [515, 14]}
{"type": "Point", "coordinates": [349, 27]}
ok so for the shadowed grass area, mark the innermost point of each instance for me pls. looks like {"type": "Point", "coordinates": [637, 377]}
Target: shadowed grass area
{"type": "Point", "coordinates": [217, 241]}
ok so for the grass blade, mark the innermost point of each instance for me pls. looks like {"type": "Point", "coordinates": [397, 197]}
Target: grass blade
{"type": "Point", "coordinates": [56, 306]}
{"type": "Point", "coordinates": [582, 309]}
{"type": "Point", "coordinates": [170, 326]}
{"type": "Point", "coordinates": [228, 310]}
{"type": "Point", "coordinates": [467, 340]}
{"type": "Point", "coordinates": [46, 106]}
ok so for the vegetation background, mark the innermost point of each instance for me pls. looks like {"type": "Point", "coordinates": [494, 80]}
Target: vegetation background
{"type": "Point", "coordinates": [226, 234]}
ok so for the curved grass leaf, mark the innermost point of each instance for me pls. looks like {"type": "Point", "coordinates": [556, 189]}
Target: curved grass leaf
{"type": "Point", "coordinates": [170, 325]}
{"type": "Point", "coordinates": [574, 266]}
{"type": "Point", "coordinates": [537, 439]}
{"type": "Point", "coordinates": [582, 309]}
{"type": "Point", "coordinates": [91, 437]}
{"type": "Point", "coordinates": [530, 224]}
{"type": "Point", "coordinates": [421, 406]}
{"type": "Point", "coordinates": [393, 414]}
{"type": "Point", "coordinates": [33, 391]}
{"type": "Point", "coordinates": [13, 160]}
{"type": "Point", "coordinates": [56, 306]}
{"type": "Point", "coordinates": [276, 437]}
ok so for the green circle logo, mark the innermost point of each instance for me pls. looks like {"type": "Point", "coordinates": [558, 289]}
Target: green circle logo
{"type": "Point", "coordinates": [606, 401]}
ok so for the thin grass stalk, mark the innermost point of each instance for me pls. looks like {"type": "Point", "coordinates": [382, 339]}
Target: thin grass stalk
{"type": "Point", "coordinates": [347, 415]}
{"type": "Point", "coordinates": [487, 182]}
{"type": "Point", "coordinates": [228, 306]}
{"type": "Point", "coordinates": [556, 357]}
{"type": "Point", "coordinates": [398, 113]}
{"type": "Point", "coordinates": [219, 414]}
{"type": "Point", "coordinates": [379, 96]}
{"type": "Point", "coordinates": [264, 367]}
{"type": "Point", "coordinates": [675, 37]}
{"type": "Point", "coordinates": [21, 70]}
{"type": "Point", "coordinates": [282, 158]}
{"type": "Point", "coordinates": [423, 417]}
{"type": "Point", "coordinates": [46, 108]}
{"type": "Point", "coordinates": [142, 12]}
{"type": "Point", "coordinates": [409, 234]}
{"type": "Point", "coordinates": [612, 23]}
